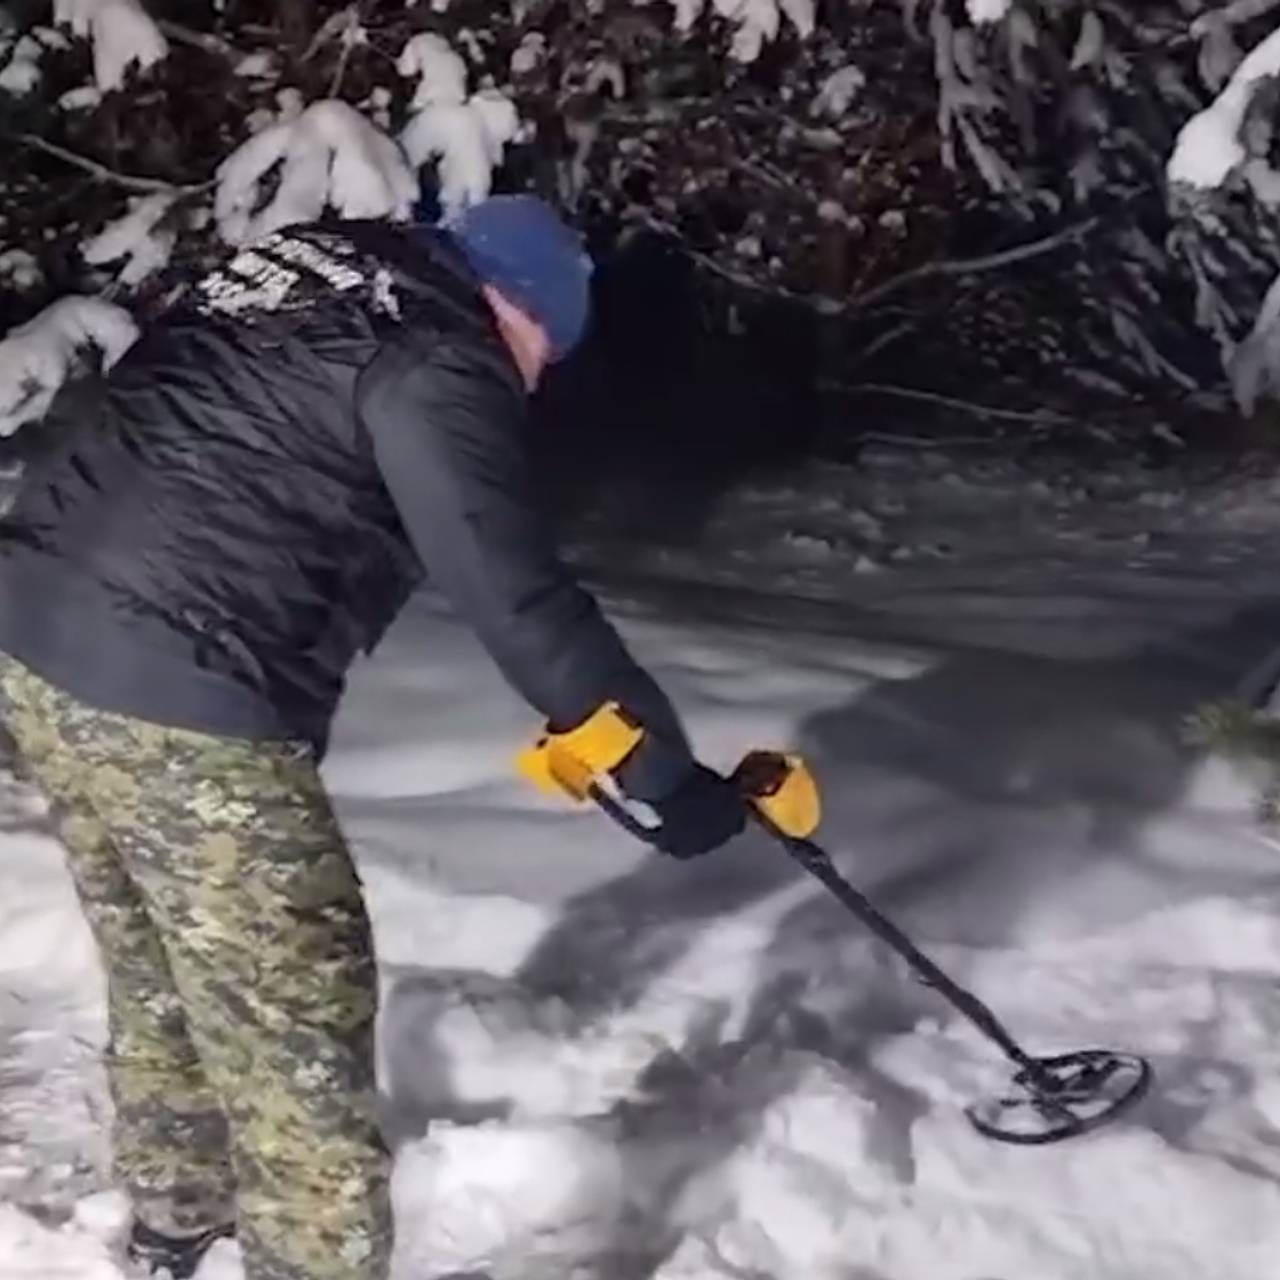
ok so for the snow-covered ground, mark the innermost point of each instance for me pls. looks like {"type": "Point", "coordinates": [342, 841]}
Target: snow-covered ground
{"type": "Point", "coordinates": [598, 1063]}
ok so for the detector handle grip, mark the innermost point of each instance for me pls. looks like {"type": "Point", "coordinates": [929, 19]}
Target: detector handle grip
{"type": "Point", "coordinates": [582, 763]}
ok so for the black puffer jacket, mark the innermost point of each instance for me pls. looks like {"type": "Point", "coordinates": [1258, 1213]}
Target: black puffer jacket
{"type": "Point", "coordinates": [209, 534]}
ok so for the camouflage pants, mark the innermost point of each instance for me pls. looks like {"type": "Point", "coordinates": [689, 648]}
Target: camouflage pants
{"type": "Point", "coordinates": [241, 980]}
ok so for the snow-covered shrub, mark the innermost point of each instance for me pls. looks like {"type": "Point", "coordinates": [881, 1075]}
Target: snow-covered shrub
{"type": "Point", "coordinates": [464, 135]}
{"type": "Point", "coordinates": [36, 358]}
{"type": "Point", "coordinates": [329, 156]}
{"type": "Point", "coordinates": [121, 32]}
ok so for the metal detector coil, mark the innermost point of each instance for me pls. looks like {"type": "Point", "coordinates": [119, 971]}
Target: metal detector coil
{"type": "Point", "coordinates": [1064, 1096]}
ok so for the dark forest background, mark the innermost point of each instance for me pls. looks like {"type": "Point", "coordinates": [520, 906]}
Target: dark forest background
{"type": "Point", "coordinates": [812, 222]}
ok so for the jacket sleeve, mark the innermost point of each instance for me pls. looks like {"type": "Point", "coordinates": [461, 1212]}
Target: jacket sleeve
{"type": "Point", "coordinates": [447, 425]}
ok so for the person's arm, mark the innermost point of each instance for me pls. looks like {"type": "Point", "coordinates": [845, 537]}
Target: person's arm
{"type": "Point", "coordinates": [447, 427]}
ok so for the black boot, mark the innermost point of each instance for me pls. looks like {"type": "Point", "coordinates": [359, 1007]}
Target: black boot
{"type": "Point", "coordinates": [171, 1257]}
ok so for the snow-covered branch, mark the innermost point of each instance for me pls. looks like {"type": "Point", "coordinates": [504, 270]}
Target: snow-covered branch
{"type": "Point", "coordinates": [1209, 146]}
{"type": "Point", "coordinates": [38, 357]}
{"type": "Point", "coordinates": [328, 156]}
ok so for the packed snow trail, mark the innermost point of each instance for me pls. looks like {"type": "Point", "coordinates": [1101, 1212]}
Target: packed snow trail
{"type": "Point", "coordinates": [599, 1063]}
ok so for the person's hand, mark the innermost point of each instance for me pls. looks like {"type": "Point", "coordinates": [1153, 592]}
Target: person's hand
{"type": "Point", "coordinates": [700, 815]}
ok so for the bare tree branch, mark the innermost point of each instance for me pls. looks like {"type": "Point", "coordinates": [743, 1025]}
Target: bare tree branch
{"type": "Point", "coordinates": [888, 337]}
{"type": "Point", "coordinates": [330, 29]}
{"type": "Point", "coordinates": [973, 266]}
{"type": "Point", "coordinates": [347, 40]}
{"type": "Point", "coordinates": [205, 40]}
{"type": "Point", "coordinates": [100, 171]}
{"type": "Point", "coordinates": [897, 440]}
{"type": "Point", "coordinates": [1039, 417]}
{"type": "Point", "coordinates": [829, 306]}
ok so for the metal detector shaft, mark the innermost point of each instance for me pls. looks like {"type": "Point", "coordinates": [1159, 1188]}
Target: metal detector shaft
{"type": "Point", "coordinates": [817, 862]}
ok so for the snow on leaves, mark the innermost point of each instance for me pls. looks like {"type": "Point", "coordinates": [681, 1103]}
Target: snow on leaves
{"type": "Point", "coordinates": [441, 72]}
{"type": "Point", "coordinates": [981, 11]}
{"type": "Point", "coordinates": [756, 22]}
{"type": "Point", "coordinates": [838, 91]}
{"type": "Point", "coordinates": [767, 143]}
{"type": "Point", "coordinates": [82, 98]}
{"type": "Point", "coordinates": [20, 74]}
{"type": "Point", "coordinates": [20, 270]}
{"type": "Point", "coordinates": [38, 357]}
{"type": "Point", "coordinates": [467, 140]}
{"type": "Point", "coordinates": [20, 54]}
{"type": "Point", "coordinates": [121, 32]}
{"type": "Point", "coordinates": [328, 156]}
{"type": "Point", "coordinates": [529, 54]}
{"type": "Point", "coordinates": [465, 135]}
{"type": "Point", "coordinates": [142, 237]}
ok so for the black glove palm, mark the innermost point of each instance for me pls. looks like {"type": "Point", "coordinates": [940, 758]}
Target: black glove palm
{"type": "Point", "coordinates": [700, 815]}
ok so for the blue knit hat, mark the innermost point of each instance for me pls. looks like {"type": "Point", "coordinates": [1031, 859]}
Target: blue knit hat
{"type": "Point", "coordinates": [519, 245]}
